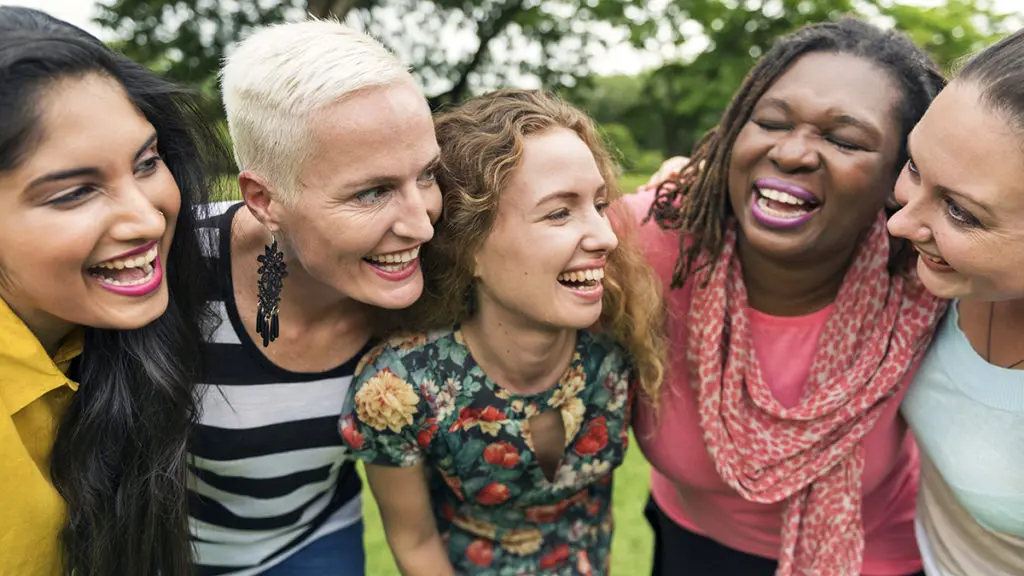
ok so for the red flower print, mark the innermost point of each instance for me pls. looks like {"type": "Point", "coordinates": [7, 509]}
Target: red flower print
{"type": "Point", "coordinates": [593, 507]}
{"type": "Point", "coordinates": [493, 494]}
{"type": "Point", "coordinates": [501, 454]}
{"type": "Point", "coordinates": [352, 436]}
{"type": "Point", "coordinates": [555, 558]}
{"type": "Point", "coordinates": [466, 417]}
{"type": "Point", "coordinates": [543, 514]}
{"type": "Point", "coordinates": [454, 483]}
{"type": "Point", "coordinates": [492, 414]}
{"type": "Point", "coordinates": [427, 433]}
{"type": "Point", "coordinates": [480, 552]}
{"type": "Point", "coordinates": [447, 512]}
{"type": "Point", "coordinates": [594, 437]}
{"type": "Point", "coordinates": [583, 565]}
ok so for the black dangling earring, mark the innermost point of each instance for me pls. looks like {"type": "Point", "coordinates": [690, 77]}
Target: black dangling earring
{"type": "Point", "coordinates": [272, 271]}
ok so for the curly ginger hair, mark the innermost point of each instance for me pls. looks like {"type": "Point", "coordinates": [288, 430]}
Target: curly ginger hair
{"type": "Point", "coordinates": [482, 144]}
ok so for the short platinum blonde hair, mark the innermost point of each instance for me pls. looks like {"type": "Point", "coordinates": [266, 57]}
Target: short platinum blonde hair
{"type": "Point", "coordinates": [278, 78]}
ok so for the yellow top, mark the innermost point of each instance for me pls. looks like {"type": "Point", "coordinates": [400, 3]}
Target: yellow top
{"type": "Point", "coordinates": [34, 392]}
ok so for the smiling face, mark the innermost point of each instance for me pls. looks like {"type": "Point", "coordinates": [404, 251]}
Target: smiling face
{"type": "Point", "coordinates": [963, 198]}
{"type": "Point", "coordinates": [815, 162]}
{"type": "Point", "coordinates": [87, 217]}
{"type": "Point", "coordinates": [367, 196]}
{"type": "Point", "coordinates": [544, 260]}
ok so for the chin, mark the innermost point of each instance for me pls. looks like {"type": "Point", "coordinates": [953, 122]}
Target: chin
{"type": "Point", "coordinates": [397, 299]}
{"type": "Point", "coordinates": [132, 317]}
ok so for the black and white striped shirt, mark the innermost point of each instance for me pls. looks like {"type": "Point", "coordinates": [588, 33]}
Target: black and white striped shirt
{"type": "Point", "coordinates": [267, 473]}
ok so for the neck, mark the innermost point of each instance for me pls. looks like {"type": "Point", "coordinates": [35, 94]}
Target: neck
{"type": "Point", "coordinates": [304, 299]}
{"type": "Point", "coordinates": [523, 358]}
{"type": "Point", "coordinates": [791, 288]}
{"type": "Point", "coordinates": [48, 330]}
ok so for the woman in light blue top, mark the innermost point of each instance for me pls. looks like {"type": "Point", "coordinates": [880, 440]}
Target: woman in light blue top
{"type": "Point", "coordinates": [963, 197]}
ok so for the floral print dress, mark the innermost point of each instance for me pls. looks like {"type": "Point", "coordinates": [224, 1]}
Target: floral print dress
{"type": "Point", "coordinates": [423, 399]}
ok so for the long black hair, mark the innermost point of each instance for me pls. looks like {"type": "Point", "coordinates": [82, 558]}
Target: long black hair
{"type": "Point", "coordinates": [698, 202]}
{"type": "Point", "coordinates": [119, 460]}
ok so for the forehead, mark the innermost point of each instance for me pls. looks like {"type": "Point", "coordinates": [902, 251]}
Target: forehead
{"type": "Point", "coordinates": [963, 144]}
{"type": "Point", "coordinates": [85, 121]}
{"type": "Point", "coordinates": [374, 129]}
{"type": "Point", "coordinates": [554, 160]}
{"type": "Point", "coordinates": [826, 82]}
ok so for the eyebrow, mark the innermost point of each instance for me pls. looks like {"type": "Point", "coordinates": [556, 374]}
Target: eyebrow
{"type": "Point", "coordinates": [86, 171]}
{"type": "Point", "coordinates": [946, 191]}
{"type": "Point", "coordinates": [602, 190]}
{"type": "Point", "coordinates": [841, 119]}
{"type": "Point", "coordinates": [374, 181]}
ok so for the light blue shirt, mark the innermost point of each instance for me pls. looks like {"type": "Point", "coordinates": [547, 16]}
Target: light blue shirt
{"type": "Point", "coordinates": [968, 417]}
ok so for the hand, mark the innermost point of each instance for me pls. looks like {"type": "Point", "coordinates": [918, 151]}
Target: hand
{"type": "Point", "coordinates": [669, 170]}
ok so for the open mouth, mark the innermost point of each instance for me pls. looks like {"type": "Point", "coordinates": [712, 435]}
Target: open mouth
{"type": "Point", "coordinates": [589, 279]}
{"type": "Point", "coordinates": [127, 272]}
{"type": "Point", "coordinates": [933, 262]}
{"type": "Point", "coordinates": [394, 261]}
{"type": "Point", "coordinates": [780, 209]}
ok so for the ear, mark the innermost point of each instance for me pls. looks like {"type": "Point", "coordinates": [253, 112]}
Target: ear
{"type": "Point", "coordinates": [260, 200]}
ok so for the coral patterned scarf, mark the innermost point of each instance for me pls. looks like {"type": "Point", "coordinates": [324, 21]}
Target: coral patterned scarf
{"type": "Point", "coordinates": [809, 455]}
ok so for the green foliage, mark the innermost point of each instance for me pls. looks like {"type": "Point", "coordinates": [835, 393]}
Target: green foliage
{"type": "Point", "coordinates": [952, 30]}
{"type": "Point", "coordinates": [187, 39]}
{"type": "Point", "coordinates": [550, 42]}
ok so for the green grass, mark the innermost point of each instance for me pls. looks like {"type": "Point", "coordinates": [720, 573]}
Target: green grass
{"type": "Point", "coordinates": [632, 545]}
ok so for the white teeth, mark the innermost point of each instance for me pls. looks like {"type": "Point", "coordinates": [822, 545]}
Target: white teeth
{"type": "Point", "coordinates": [780, 196]}
{"type": "Point", "coordinates": [766, 207]}
{"type": "Point", "coordinates": [134, 262]}
{"type": "Point", "coordinates": [146, 267]}
{"type": "Point", "coordinates": [592, 274]}
{"type": "Point", "coordinates": [396, 257]}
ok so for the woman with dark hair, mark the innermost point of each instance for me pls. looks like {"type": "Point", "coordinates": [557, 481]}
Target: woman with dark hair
{"type": "Point", "coordinates": [101, 293]}
{"type": "Point", "coordinates": [796, 322]}
{"type": "Point", "coordinates": [963, 196]}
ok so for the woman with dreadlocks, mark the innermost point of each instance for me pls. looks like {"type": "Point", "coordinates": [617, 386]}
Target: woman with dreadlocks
{"type": "Point", "coordinates": [777, 446]}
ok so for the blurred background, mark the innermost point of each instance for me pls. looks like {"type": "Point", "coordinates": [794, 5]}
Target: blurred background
{"type": "Point", "coordinates": [654, 74]}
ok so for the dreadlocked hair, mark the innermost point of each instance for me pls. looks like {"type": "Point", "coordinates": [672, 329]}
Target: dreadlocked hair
{"type": "Point", "coordinates": [696, 203]}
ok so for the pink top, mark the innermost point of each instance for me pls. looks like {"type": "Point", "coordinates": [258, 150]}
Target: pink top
{"type": "Point", "coordinates": [684, 482]}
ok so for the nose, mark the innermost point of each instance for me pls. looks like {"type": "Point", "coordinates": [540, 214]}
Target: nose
{"type": "Point", "coordinates": [421, 207]}
{"type": "Point", "coordinates": [907, 222]}
{"type": "Point", "coordinates": [600, 236]}
{"type": "Point", "coordinates": [794, 152]}
{"type": "Point", "coordinates": [138, 218]}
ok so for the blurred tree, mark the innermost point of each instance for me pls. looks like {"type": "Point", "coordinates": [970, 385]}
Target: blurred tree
{"type": "Point", "coordinates": [484, 40]}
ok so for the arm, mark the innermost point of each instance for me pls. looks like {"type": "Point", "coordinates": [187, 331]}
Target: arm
{"type": "Point", "coordinates": [404, 501]}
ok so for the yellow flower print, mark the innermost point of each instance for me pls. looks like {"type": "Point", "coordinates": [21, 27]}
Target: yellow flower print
{"type": "Point", "coordinates": [476, 526]}
{"type": "Point", "coordinates": [386, 402]}
{"type": "Point", "coordinates": [571, 384]}
{"type": "Point", "coordinates": [370, 357]}
{"type": "Point", "coordinates": [405, 342]}
{"type": "Point", "coordinates": [522, 541]}
{"type": "Point", "coordinates": [572, 418]}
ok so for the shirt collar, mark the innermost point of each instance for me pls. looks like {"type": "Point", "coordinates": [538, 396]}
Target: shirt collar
{"type": "Point", "coordinates": [27, 372]}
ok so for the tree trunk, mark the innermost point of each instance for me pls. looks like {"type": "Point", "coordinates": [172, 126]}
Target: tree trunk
{"type": "Point", "coordinates": [486, 31]}
{"type": "Point", "coordinates": [336, 8]}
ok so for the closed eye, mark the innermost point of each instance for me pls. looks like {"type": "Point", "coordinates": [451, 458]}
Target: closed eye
{"type": "Point", "coordinates": [843, 144]}
{"type": "Point", "coordinates": [770, 126]}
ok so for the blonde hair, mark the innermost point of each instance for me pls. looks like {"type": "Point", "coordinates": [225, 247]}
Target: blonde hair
{"type": "Point", "coordinates": [481, 145]}
{"type": "Point", "coordinates": [278, 78]}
